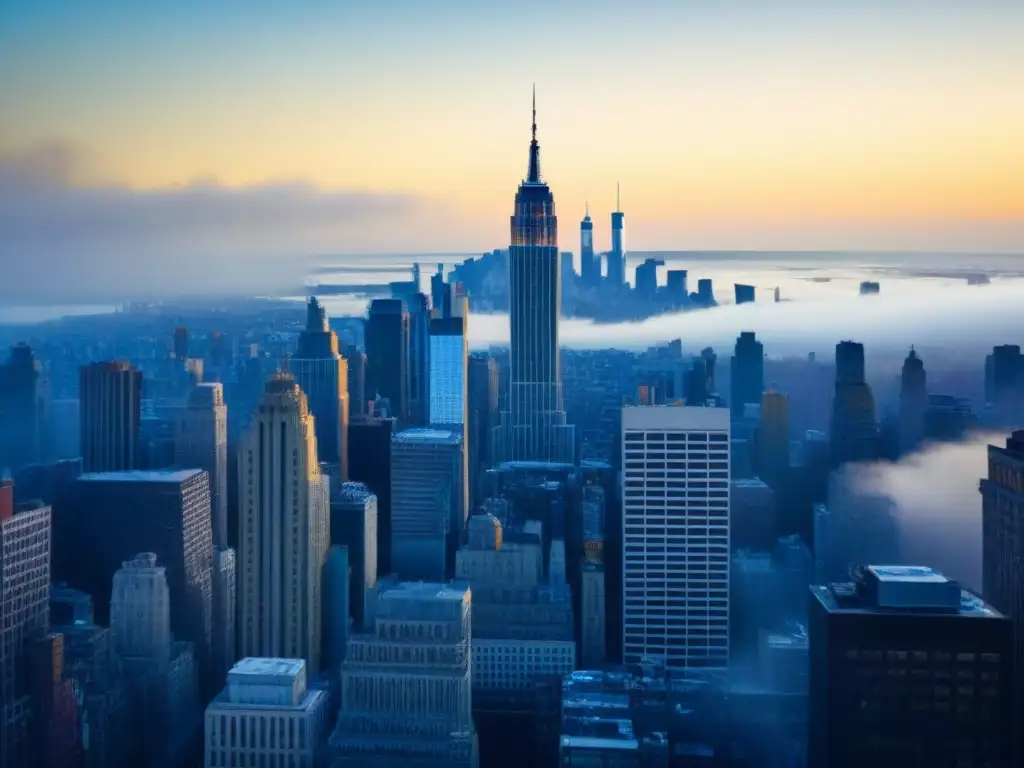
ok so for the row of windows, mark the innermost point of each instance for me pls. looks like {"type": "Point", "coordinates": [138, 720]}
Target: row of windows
{"type": "Point", "coordinates": [675, 437]}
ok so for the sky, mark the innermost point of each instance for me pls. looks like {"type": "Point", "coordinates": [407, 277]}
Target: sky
{"type": "Point", "coordinates": [403, 125]}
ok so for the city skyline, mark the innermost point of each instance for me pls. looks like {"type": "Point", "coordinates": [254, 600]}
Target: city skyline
{"type": "Point", "coordinates": [728, 126]}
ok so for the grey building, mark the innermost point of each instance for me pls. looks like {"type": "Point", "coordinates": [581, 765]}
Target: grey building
{"type": "Point", "coordinates": [224, 611]}
{"type": "Point", "coordinates": [201, 441]}
{"type": "Point", "coordinates": [428, 502]}
{"type": "Point", "coordinates": [406, 686]}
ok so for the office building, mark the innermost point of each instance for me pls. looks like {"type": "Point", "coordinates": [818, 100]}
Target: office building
{"type": "Point", "coordinates": [337, 614]}
{"type": "Point", "coordinates": [356, 359]}
{"type": "Point", "coordinates": [854, 430]}
{"type": "Point", "coordinates": [617, 255]}
{"type": "Point", "coordinates": [387, 355]}
{"type": "Point", "coordinates": [908, 668]}
{"type": "Point", "coordinates": [428, 502]}
{"type": "Point", "coordinates": [23, 436]}
{"type": "Point", "coordinates": [590, 263]}
{"type": "Point", "coordinates": [913, 402]}
{"type": "Point", "coordinates": [418, 308]}
{"type": "Point", "coordinates": [744, 294]}
{"type": "Point", "coordinates": [677, 288]}
{"type": "Point", "coordinates": [201, 441]}
{"type": "Point", "coordinates": [753, 514]}
{"type": "Point", "coordinates": [406, 686]}
{"type": "Point", "coordinates": [675, 517]}
{"type": "Point", "coordinates": [354, 526]}
{"type": "Point", "coordinates": [534, 428]}
{"type": "Point", "coordinates": [371, 465]}
{"type": "Point", "coordinates": [449, 373]}
{"type": "Point", "coordinates": [322, 374]}
{"type": "Point", "coordinates": [24, 606]}
{"type": "Point", "coordinates": [482, 402]}
{"type": "Point", "coordinates": [267, 715]}
{"type": "Point", "coordinates": [773, 439]}
{"type": "Point", "coordinates": [110, 403]}
{"type": "Point", "coordinates": [97, 526]}
{"type": "Point", "coordinates": [284, 531]}
{"type": "Point", "coordinates": [747, 373]}
{"type": "Point", "coordinates": [647, 279]}
{"type": "Point", "coordinates": [225, 611]}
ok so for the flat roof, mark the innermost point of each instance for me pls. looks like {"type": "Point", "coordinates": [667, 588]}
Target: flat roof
{"type": "Point", "coordinates": [176, 476]}
{"type": "Point", "coordinates": [425, 435]}
{"type": "Point", "coordinates": [668, 418]}
{"type": "Point", "coordinates": [907, 573]}
{"type": "Point", "coordinates": [593, 742]}
{"type": "Point", "coordinates": [268, 667]}
{"type": "Point", "coordinates": [425, 590]}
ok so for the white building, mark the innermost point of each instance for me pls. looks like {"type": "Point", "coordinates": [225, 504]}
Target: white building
{"type": "Point", "coordinates": [201, 442]}
{"type": "Point", "coordinates": [675, 518]}
{"type": "Point", "coordinates": [284, 530]}
{"type": "Point", "coordinates": [266, 716]}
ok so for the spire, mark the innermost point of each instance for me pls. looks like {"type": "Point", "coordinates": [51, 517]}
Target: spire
{"type": "Point", "coordinates": [533, 173]}
{"type": "Point", "coordinates": [618, 205]}
{"type": "Point", "coordinates": [587, 215]}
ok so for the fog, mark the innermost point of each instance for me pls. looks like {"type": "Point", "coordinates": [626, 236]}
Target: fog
{"type": "Point", "coordinates": [938, 503]}
{"type": "Point", "coordinates": [951, 317]}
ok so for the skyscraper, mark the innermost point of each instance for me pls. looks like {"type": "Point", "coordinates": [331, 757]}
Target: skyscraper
{"type": "Point", "coordinates": [356, 381]}
{"type": "Point", "coordinates": [854, 428]}
{"type": "Point", "coordinates": [908, 668]}
{"type": "Point", "coordinates": [482, 403]}
{"type": "Point", "coordinates": [590, 264]}
{"type": "Point", "coordinates": [675, 518]}
{"type": "Point", "coordinates": [387, 355]}
{"type": "Point", "coordinates": [535, 429]}
{"type": "Point", "coordinates": [322, 374]}
{"type": "Point", "coordinates": [354, 527]}
{"type": "Point", "coordinates": [284, 531]}
{"type": "Point", "coordinates": [913, 402]}
{"type": "Point", "coordinates": [371, 465]}
{"type": "Point", "coordinates": [24, 606]}
{"type": "Point", "coordinates": [224, 611]}
{"type": "Point", "coordinates": [449, 371]}
{"type": "Point", "coordinates": [747, 373]}
{"type": "Point", "coordinates": [110, 403]}
{"type": "Point", "coordinates": [428, 502]}
{"type": "Point", "coordinates": [773, 439]}
{"type": "Point", "coordinates": [22, 435]}
{"type": "Point", "coordinates": [201, 441]}
{"type": "Point", "coordinates": [617, 255]}
{"type": "Point", "coordinates": [419, 358]}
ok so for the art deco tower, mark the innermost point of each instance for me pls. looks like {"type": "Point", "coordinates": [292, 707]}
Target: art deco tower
{"type": "Point", "coordinates": [284, 529]}
{"type": "Point", "coordinates": [534, 427]}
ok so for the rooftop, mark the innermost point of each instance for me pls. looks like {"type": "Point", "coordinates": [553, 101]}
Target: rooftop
{"type": "Point", "coordinates": [425, 590]}
{"type": "Point", "coordinates": [423, 435]}
{"type": "Point", "coordinates": [286, 669]}
{"type": "Point", "coordinates": [175, 476]}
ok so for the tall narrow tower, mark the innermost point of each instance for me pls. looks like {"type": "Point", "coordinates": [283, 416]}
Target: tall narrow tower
{"type": "Point", "coordinates": [534, 427]}
{"type": "Point", "coordinates": [617, 255]}
{"type": "Point", "coordinates": [590, 265]}
{"type": "Point", "coordinates": [284, 531]}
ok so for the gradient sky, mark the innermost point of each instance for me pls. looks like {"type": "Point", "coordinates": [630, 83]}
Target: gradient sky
{"type": "Point", "coordinates": [730, 123]}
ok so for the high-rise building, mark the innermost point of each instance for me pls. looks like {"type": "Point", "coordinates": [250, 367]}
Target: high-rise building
{"type": "Point", "coordinates": [418, 307]}
{"type": "Point", "coordinates": [371, 465]}
{"type": "Point", "coordinates": [449, 373]}
{"type": "Point", "coordinates": [356, 359]}
{"type": "Point", "coordinates": [354, 526]}
{"type": "Point", "coordinates": [647, 278]}
{"type": "Point", "coordinates": [23, 438]}
{"type": "Point", "coordinates": [97, 526]}
{"type": "Point", "coordinates": [181, 344]}
{"type": "Point", "coordinates": [908, 668]}
{"type": "Point", "coordinates": [675, 518]}
{"type": "Point", "coordinates": [773, 439]}
{"type": "Point", "coordinates": [267, 714]}
{"type": "Point", "coordinates": [854, 427]}
{"type": "Point", "coordinates": [387, 355]}
{"type": "Point", "coordinates": [482, 402]}
{"type": "Point", "coordinates": [747, 373]}
{"type": "Point", "coordinates": [617, 255]}
{"type": "Point", "coordinates": [913, 402]}
{"type": "Point", "coordinates": [24, 608]}
{"type": "Point", "coordinates": [590, 263]}
{"type": "Point", "coordinates": [201, 441]}
{"type": "Point", "coordinates": [337, 614]}
{"type": "Point", "coordinates": [534, 428]}
{"type": "Point", "coordinates": [1006, 378]}
{"type": "Point", "coordinates": [428, 502]}
{"type": "Point", "coordinates": [224, 611]}
{"type": "Point", "coordinates": [322, 374]}
{"type": "Point", "coordinates": [744, 294]}
{"type": "Point", "coordinates": [284, 531]}
{"type": "Point", "coordinates": [110, 404]}
{"type": "Point", "coordinates": [406, 686]}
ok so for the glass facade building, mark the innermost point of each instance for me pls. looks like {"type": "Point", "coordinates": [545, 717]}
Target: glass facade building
{"type": "Point", "coordinates": [449, 360]}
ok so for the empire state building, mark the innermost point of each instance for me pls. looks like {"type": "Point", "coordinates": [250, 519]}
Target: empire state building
{"type": "Point", "coordinates": [534, 428]}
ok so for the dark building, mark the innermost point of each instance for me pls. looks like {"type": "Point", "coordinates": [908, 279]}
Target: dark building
{"type": "Point", "coordinates": [105, 518]}
{"type": "Point", "coordinates": [647, 279]}
{"type": "Point", "coordinates": [617, 255]}
{"type": "Point", "coordinates": [747, 373]}
{"type": "Point", "coordinates": [773, 440]}
{"type": "Point", "coordinates": [948, 418]}
{"type": "Point", "coordinates": [354, 526]}
{"type": "Point", "coordinates": [590, 263]}
{"type": "Point", "coordinates": [913, 402]}
{"type": "Point", "coordinates": [745, 294]}
{"type": "Point", "coordinates": [419, 358]}
{"type": "Point", "coordinates": [534, 428]}
{"type": "Point", "coordinates": [676, 287]}
{"type": "Point", "coordinates": [907, 668]}
{"type": "Point", "coordinates": [322, 374]}
{"type": "Point", "coordinates": [371, 465]}
{"type": "Point", "coordinates": [23, 438]}
{"type": "Point", "coordinates": [356, 381]}
{"type": "Point", "coordinates": [1007, 376]}
{"type": "Point", "coordinates": [869, 288]}
{"type": "Point", "coordinates": [483, 418]}
{"type": "Point", "coordinates": [181, 343]}
{"type": "Point", "coordinates": [110, 399]}
{"type": "Point", "coordinates": [440, 292]}
{"type": "Point", "coordinates": [854, 427]}
{"type": "Point", "coordinates": [705, 292]}
{"type": "Point", "coordinates": [387, 355]}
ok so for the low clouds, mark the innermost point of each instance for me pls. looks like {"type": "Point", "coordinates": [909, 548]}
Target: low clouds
{"type": "Point", "coordinates": [64, 236]}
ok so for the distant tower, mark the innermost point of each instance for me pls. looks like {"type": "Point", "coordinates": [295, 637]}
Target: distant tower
{"type": "Point", "coordinates": [387, 355]}
{"type": "Point", "coordinates": [534, 428]}
{"type": "Point", "coordinates": [617, 255]}
{"type": "Point", "coordinates": [110, 403]}
{"type": "Point", "coordinates": [181, 343]}
{"type": "Point", "coordinates": [913, 402]}
{"type": "Point", "coordinates": [747, 373]}
{"type": "Point", "coordinates": [854, 427]}
{"type": "Point", "coordinates": [590, 265]}
{"type": "Point", "coordinates": [322, 373]}
{"type": "Point", "coordinates": [201, 442]}
{"type": "Point", "coordinates": [284, 529]}
{"type": "Point", "coordinates": [22, 440]}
